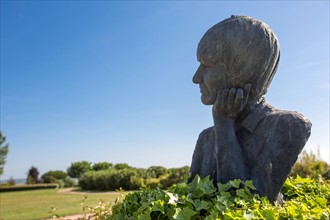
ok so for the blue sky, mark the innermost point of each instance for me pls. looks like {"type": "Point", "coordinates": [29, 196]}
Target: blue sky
{"type": "Point", "coordinates": [111, 81]}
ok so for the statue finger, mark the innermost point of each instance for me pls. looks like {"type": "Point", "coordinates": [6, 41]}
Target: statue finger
{"type": "Point", "coordinates": [224, 98]}
{"type": "Point", "coordinates": [238, 99]}
{"type": "Point", "coordinates": [231, 98]}
{"type": "Point", "coordinates": [218, 102]}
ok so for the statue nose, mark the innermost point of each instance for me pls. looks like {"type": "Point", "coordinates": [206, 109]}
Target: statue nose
{"type": "Point", "coordinates": [198, 77]}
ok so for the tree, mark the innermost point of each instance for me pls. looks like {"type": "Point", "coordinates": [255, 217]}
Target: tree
{"type": "Point", "coordinates": [53, 176]}
{"type": "Point", "coordinates": [176, 175]}
{"type": "Point", "coordinates": [3, 152]}
{"type": "Point", "coordinates": [78, 168]}
{"type": "Point", "coordinates": [156, 171]}
{"type": "Point", "coordinates": [32, 176]}
{"type": "Point", "coordinates": [11, 181]}
{"type": "Point", "coordinates": [102, 166]}
{"type": "Point", "coordinates": [121, 166]}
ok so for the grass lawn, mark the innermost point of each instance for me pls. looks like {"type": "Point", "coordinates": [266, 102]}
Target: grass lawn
{"type": "Point", "coordinates": [36, 204]}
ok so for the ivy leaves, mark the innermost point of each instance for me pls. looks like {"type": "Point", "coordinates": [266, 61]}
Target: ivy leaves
{"type": "Point", "coordinates": [200, 199]}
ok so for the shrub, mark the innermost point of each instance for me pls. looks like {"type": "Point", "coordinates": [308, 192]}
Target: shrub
{"type": "Point", "coordinates": [110, 180]}
{"type": "Point", "coordinates": [121, 166]}
{"type": "Point", "coordinates": [57, 174]}
{"type": "Point", "coordinates": [49, 179]}
{"type": "Point", "coordinates": [130, 179]}
{"type": "Point", "coordinates": [11, 181]}
{"type": "Point", "coordinates": [310, 165]}
{"type": "Point", "coordinates": [78, 168]}
{"type": "Point", "coordinates": [176, 175]}
{"type": "Point", "coordinates": [59, 177]}
{"type": "Point", "coordinates": [305, 199]}
{"type": "Point", "coordinates": [102, 166]}
{"type": "Point", "coordinates": [156, 171]}
{"type": "Point", "coordinates": [27, 187]}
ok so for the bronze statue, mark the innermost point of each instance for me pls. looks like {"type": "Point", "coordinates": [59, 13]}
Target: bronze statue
{"type": "Point", "coordinates": [250, 139]}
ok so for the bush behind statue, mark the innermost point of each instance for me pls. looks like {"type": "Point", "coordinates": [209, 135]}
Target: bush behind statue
{"type": "Point", "coordinates": [131, 178]}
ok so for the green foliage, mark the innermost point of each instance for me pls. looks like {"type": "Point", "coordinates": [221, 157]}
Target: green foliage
{"type": "Point", "coordinates": [32, 175]}
{"type": "Point", "coordinates": [78, 168]}
{"type": "Point", "coordinates": [110, 180]}
{"type": "Point", "coordinates": [10, 182]}
{"type": "Point", "coordinates": [121, 166]}
{"type": "Point", "coordinates": [310, 165]}
{"type": "Point", "coordinates": [69, 182]}
{"type": "Point", "coordinates": [4, 148]}
{"type": "Point", "coordinates": [305, 199]}
{"type": "Point", "coordinates": [175, 175]}
{"type": "Point", "coordinates": [50, 176]}
{"type": "Point", "coordinates": [156, 171]}
{"type": "Point", "coordinates": [59, 177]}
{"type": "Point", "coordinates": [102, 166]}
{"type": "Point", "coordinates": [132, 178]}
{"type": "Point", "coordinates": [28, 187]}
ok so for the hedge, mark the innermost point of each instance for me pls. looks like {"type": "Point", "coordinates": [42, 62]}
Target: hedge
{"type": "Point", "coordinates": [304, 199]}
{"type": "Point", "coordinates": [28, 187]}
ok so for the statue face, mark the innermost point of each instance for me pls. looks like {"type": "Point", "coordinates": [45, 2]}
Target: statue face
{"type": "Point", "coordinates": [211, 78]}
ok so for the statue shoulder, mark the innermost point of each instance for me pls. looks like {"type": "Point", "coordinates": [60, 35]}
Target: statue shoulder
{"type": "Point", "coordinates": [292, 120]}
{"type": "Point", "coordinates": [206, 133]}
{"type": "Point", "coordinates": [290, 126]}
{"type": "Point", "coordinates": [205, 137]}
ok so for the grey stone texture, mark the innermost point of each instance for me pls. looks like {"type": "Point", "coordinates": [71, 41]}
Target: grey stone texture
{"type": "Point", "coordinates": [250, 139]}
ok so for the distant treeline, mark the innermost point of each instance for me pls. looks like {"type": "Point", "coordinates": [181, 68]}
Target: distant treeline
{"type": "Point", "coordinates": [108, 176]}
{"type": "Point", "coordinates": [131, 178]}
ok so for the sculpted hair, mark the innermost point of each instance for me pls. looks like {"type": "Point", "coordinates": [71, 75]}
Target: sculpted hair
{"type": "Point", "coordinates": [247, 48]}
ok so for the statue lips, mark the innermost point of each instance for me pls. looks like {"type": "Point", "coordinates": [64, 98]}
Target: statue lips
{"type": "Point", "coordinates": [204, 90]}
{"type": "Point", "coordinates": [201, 88]}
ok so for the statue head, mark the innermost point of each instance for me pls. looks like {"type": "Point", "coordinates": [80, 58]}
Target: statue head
{"type": "Point", "coordinates": [235, 52]}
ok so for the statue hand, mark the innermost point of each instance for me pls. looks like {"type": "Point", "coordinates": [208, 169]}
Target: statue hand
{"type": "Point", "coordinates": [230, 102]}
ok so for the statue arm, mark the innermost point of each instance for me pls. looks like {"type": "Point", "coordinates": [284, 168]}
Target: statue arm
{"type": "Point", "coordinates": [230, 161]}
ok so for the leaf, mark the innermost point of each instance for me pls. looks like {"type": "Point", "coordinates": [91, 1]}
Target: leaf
{"type": "Point", "coordinates": [213, 216]}
{"type": "Point", "coordinates": [226, 195]}
{"type": "Point", "coordinates": [172, 198]}
{"type": "Point", "coordinates": [249, 184]}
{"type": "Point", "coordinates": [268, 214]}
{"type": "Point", "coordinates": [201, 204]}
{"type": "Point", "coordinates": [194, 184]}
{"type": "Point", "coordinates": [143, 206]}
{"type": "Point", "coordinates": [228, 203]}
{"type": "Point", "coordinates": [223, 187]}
{"type": "Point", "coordinates": [242, 193]}
{"type": "Point", "coordinates": [144, 216]}
{"type": "Point", "coordinates": [184, 214]}
{"type": "Point", "coordinates": [321, 201]}
{"type": "Point", "coordinates": [200, 187]}
{"type": "Point", "coordinates": [235, 183]}
{"type": "Point", "coordinates": [158, 206]}
{"type": "Point", "coordinates": [207, 185]}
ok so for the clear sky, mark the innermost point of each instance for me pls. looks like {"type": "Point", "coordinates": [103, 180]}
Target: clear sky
{"type": "Point", "coordinates": [111, 80]}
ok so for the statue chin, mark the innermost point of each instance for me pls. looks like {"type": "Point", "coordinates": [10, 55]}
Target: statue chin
{"type": "Point", "coordinates": [207, 100]}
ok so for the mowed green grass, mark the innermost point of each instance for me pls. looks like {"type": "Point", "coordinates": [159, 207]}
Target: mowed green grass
{"type": "Point", "coordinates": [36, 204]}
